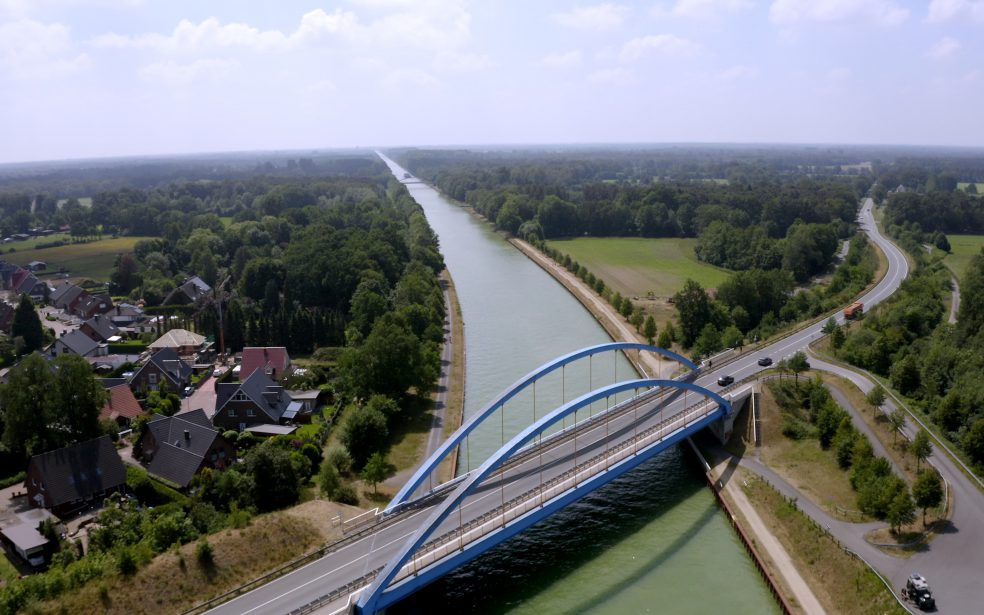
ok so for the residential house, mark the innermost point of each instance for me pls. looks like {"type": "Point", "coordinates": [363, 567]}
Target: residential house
{"type": "Point", "coordinates": [66, 479]}
{"type": "Point", "coordinates": [100, 328]}
{"type": "Point", "coordinates": [164, 371]}
{"type": "Point", "coordinates": [26, 283]}
{"type": "Point", "coordinates": [7, 271]}
{"type": "Point", "coordinates": [121, 405]}
{"type": "Point", "coordinates": [176, 448]}
{"type": "Point", "coordinates": [310, 401]}
{"type": "Point", "coordinates": [66, 296]}
{"type": "Point", "coordinates": [193, 289]}
{"type": "Point", "coordinates": [182, 341]}
{"type": "Point", "coordinates": [272, 360]}
{"type": "Point", "coordinates": [256, 400]}
{"type": "Point", "coordinates": [76, 342]}
{"type": "Point", "coordinates": [91, 305]}
{"type": "Point", "coordinates": [125, 315]}
{"type": "Point", "coordinates": [23, 538]}
{"type": "Point", "coordinates": [37, 265]}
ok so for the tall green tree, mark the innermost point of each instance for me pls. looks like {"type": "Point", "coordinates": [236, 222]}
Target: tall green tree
{"type": "Point", "coordinates": [694, 309]}
{"type": "Point", "coordinates": [26, 403]}
{"type": "Point", "coordinates": [902, 510]}
{"type": "Point", "coordinates": [649, 329]}
{"type": "Point", "coordinates": [27, 325]}
{"type": "Point", "coordinates": [78, 398]}
{"type": "Point", "coordinates": [364, 432]}
{"type": "Point", "coordinates": [376, 470]}
{"type": "Point", "coordinates": [921, 447]}
{"type": "Point", "coordinates": [927, 492]}
{"type": "Point", "coordinates": [798, 364]}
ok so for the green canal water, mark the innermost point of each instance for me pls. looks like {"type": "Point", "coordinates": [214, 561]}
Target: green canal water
{"type": "Point", "coordinates": [652, 541]}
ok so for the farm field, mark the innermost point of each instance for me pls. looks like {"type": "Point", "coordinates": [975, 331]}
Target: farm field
{"type": "Point", "coordinates": [637, 266]}
{"type": "Point", "coordinates": [94, 259]}
{"type": "Point", "coordinates": [32, 243]}
{"type": "Point", "coordinates": [963, 247]}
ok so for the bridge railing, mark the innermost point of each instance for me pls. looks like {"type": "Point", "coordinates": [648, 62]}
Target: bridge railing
{"type": "Point", "coordinates": [497, 518]}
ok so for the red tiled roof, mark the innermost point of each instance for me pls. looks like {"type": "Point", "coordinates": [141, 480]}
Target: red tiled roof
{"type": "Point", "coordinates": [259, 358]}
{"type": "Point", "coordinates": [121, 402]}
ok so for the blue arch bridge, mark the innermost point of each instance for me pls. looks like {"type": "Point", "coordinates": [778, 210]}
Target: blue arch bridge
{"type": "Point", "coordinates": [428, 531]}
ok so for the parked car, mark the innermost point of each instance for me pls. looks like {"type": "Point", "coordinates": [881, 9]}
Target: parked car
{"type": "Point", "coordinates": [187, 392]}
{"type": "Point", "coordinates": [765, 361]}
{"type": "Point", "coordinates": [725, 380]}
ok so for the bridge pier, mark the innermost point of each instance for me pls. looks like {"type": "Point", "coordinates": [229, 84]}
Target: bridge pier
{"type": "Point", "coordinates": [723, 428]}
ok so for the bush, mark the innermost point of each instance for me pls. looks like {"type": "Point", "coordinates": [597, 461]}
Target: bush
{"type": "Point", "coordinates": [205, 555]}
{"type": "Point", "coordinates": [346, 495]}
{"type": "Point", "coordinates": [126, 563]}
{"type": "Point", "coordinates": [13, 480]}
{"type": "Point", "coordinates": [339, 457]}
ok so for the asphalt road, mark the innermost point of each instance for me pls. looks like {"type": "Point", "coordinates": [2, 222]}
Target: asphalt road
{"type": "Point", "coordinates": [372, 551]}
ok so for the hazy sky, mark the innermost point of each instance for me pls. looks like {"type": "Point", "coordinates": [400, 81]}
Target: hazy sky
{"type": "Point", "coordinates": [81, 78]}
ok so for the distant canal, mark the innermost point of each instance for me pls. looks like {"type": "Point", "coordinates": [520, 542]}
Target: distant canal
{"type": "Point", "coordinates": [652, 541]}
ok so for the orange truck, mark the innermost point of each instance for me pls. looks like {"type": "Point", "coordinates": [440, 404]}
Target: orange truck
{"type": "Point", "coordinates": [854, 310]}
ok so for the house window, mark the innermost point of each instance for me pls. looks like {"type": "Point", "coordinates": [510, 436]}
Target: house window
{"type": "Point", "coordinates": [250, 412]}
{"type": "Point", "coordinates": [240, 396]}
{"type": "Point", "coordinates": [152, 378]}
{"type": "Point", "coordinates": [232, 412]}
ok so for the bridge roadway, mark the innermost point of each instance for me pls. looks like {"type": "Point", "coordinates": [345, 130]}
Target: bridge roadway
{"type": "Point", "coordinates": [362, 556]}
{"type": "Point", "coordinates": [549, 462]}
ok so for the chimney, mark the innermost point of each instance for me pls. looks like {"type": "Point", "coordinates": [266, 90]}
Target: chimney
{"type": "Point", "coordinates": [187, 435]}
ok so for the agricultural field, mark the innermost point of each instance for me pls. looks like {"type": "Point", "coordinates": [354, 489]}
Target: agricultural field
{"type": "Point", "coordinates": [963, 247]}
{"type": "Point", "coordinates": [636, 266]}
{"type": "Point", "coordinates": [93, 259]}
{"type": "Point", "coordinates": [33, 242]}
{"type": "Point", "coordinates": [963, 186]}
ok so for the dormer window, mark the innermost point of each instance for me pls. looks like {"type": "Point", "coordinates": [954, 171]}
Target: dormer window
{"type": "Point", "coordinates": [240, 396]}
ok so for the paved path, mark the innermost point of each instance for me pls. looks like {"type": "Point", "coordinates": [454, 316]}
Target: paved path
{"type": "Point", "coordinates": [770, 544]}
{"type": "Point", "coordinates": [203, 397]}
{"type": "Point", "coordinates": [954, 559]}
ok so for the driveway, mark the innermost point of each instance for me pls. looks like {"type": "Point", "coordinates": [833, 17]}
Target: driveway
{"type": "Point", "coordinates": [203, 398]}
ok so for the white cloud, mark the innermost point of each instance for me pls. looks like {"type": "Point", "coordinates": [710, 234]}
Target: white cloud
{"type": "Point", "coordinates": [605, 16]}
{"type": "Point", "coordinates": [738, 73]}
{"type": "Point", "coordinates": [568, 59]}
{"type": "Point", "coordinates": [423, 29]}
{"type": "Point", "coordinates": [210, 33]}
{"type": "Point", "coordinates": [702, 9]}
{"type": "Point", "coordinates": [31, 49]}
{"type": "Point", "coordinates": [661, 44]}
{"type": "Point", "coordinates": [944, 10]}
{"type": "Point", "coordinates": [463, 62]}
{"type": "Point", "coordinates": [944, 48]}
{"type": "Point", "coordinates": [880, 12]}
{"type": "Point", "coordinates": [176, 74]}
{"type": "Point", "coordinates": [613, 76]}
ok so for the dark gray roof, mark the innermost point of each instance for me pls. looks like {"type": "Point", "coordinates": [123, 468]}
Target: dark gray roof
{"type": "Point", "coordinates": [65, 294]}
{"type": "Point", "coordinates": [103, 326]}
{"type": "Point", "coordinates": [78, 342]}
{"type": "Point", "coordinates": [183, 440]}
{"type": "Point", "coordinates": [80, 470]}
{"type": "Point", "coordinates": [168, 362]}
{"type": "Point", "coordinates": [269, 397]}
{"type": "Point", "coordinates": [109, 383]}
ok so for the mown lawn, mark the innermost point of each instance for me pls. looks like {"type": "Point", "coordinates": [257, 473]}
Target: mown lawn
{"type": "Point", "coordinates": [636, 266]}
{"type": "Point", "coordinates": [95, 259]}
{"type": "Point", "coordinates": [963, 247]}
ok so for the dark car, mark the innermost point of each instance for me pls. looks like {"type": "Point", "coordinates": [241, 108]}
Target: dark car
{"type": "Point", "coordinates": [725, 380]}
{"type": "Point", "coordinates": [765, 361]}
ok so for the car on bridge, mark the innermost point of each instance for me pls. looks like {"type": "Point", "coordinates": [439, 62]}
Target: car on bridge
{"type": "Point", "coordinates": [725, 380]}
{"type": "Point", "coordinates": [765, 361]}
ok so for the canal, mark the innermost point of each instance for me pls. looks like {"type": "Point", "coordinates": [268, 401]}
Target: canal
{"type": "Point", "coordinates": [651, 541]}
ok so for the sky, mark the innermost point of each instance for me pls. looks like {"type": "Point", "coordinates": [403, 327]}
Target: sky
{"type": "Point", "coordinates": [97, 78]}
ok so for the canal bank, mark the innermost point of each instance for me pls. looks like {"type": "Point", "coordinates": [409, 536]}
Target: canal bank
{"type": "Point", "coordinates": [652, 540]}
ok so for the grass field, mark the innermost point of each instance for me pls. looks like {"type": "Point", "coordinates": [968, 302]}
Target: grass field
{"type": "Point", "coordinates": [94, 259]}
{"type": "Point", "coordinates": [963, 186]}
{"type": "Point", "coordinates": [636, 266]}
{"type": "Point", "coordinates": [33, 242]}
{"type": "Point", "coordinates": [963, 247]}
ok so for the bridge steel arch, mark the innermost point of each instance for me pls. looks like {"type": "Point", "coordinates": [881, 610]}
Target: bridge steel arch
{"type": "Point", "coordinates": [428, 467]}
{"type": "Point", "coordinates": [369, 600]}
